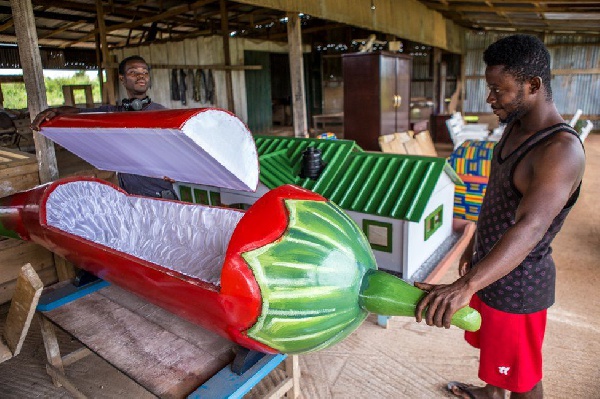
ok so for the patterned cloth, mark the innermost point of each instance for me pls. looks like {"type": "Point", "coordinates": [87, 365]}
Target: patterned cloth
{"type": "Point", "coordinates": [530, 286]}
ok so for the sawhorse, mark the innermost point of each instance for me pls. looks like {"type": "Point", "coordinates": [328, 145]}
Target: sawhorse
{"type": "Point", "coordinates": [186, 361]}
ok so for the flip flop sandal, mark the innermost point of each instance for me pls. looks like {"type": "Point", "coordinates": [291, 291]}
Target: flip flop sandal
{"type": "Point", "coordinates": [463, 387]}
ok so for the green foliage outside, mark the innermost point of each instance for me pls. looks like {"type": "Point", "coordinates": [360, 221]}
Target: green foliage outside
{"type": "Point", "coordinates": [15, 96]}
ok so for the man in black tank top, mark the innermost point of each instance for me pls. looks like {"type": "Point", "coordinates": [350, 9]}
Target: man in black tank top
{"type": "Point", "coordinates": [507, 271]}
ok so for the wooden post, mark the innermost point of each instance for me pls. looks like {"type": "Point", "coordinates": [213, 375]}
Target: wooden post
{"type": "Point", "coordinates": [31, 62]}
{"type": "Point", "coordinates": [225, 33]}
{"type": "Point", "coordinates": [108, 94]}
{"type": "Point", "coordinates": [292, 369]}
{"type": "Point", "coordinates": [443, 75]}
{"type": "Point", "coordinates": [436, 59]}
{"type": "Point", "coordinates": [297, 75]}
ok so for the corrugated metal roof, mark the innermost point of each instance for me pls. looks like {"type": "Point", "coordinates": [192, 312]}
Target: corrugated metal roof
{"type": "Point", "coordinates": [275, 171]}
{"type": "Point", "coordinates": [389, 185]}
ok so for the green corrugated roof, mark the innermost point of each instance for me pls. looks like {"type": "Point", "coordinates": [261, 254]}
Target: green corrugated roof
{"type": "Point", "coordinates": [280, 160]}
{"type": "Point", "coordinates": [389, 185]}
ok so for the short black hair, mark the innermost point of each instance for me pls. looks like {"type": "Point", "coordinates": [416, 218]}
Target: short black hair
{"type": "Point", "coordinates": [523, 56]}
{"type": "Point", "coordinates": [130, 58]}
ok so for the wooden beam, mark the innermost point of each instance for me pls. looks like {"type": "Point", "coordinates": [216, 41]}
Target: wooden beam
{"type": "Point", "coordinates": [158, 17]}
{"type": "Point", "coordinates": [297, 75]}
{"type": "Point", "coordinates": [215, 67]}
{"type": "Point", "coordinates": [31, 62]}
{"type": "Point", "coordinates": [225, 34]}
{"type": "Point", "coordinates": [11, 79]}
{"type": "Point", "coordinates": [6, 25]}
{"type": "Point", "coordinates": [62, 29]}
{"type": "Point", "coordinates": [108, 93]}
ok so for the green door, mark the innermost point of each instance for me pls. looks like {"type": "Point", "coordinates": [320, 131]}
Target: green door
{"type": "Point", "coordinates": [258, 92]}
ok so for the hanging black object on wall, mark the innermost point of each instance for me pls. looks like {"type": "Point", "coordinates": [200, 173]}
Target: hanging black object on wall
{"type": "Point", "coordinates": [182, 86]}
{"type": "Point", "coordinates": [174, 86]}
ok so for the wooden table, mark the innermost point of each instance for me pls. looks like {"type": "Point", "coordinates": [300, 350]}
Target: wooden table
{"type": "Point", "coordinates": [163, 353]}
{"type": "Point", "coordinates": [336, 119]}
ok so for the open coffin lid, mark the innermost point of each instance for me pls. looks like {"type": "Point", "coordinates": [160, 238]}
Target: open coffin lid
{"type": "Point", "coordinates": [203, 146]}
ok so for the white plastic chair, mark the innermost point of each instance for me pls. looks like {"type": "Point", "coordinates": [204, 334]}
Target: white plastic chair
{"type": "Point", "coordinates": [459, 131]}
{"type": "Point", "coordinates": [586, 130]}
{"type": "Point", "coordinates": [575, 118]}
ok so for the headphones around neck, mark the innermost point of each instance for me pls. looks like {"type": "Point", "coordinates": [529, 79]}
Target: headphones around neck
{"type": "Point", "coordinates": [135, 104]}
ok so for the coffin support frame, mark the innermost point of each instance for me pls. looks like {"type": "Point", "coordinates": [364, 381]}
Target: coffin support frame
{"type": "Point", "coordinates": [250, 367]}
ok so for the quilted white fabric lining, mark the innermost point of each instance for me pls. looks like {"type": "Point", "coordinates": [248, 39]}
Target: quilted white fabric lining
{"type": "Point", "coordinates": [189, 238]}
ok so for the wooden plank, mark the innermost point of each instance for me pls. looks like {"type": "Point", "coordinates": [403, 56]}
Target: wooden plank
{"type": "Point", "coordinates": [22, 308]}
{"type": "Point", "coordinates": [62, 380]}
{"type": "Point", "coordinates": [47, 275]}
{"type": "Point", "coordinates": [292, 369]}
{"type": "Point", "coordinates": [131, 342]}
{"type": "Point", "coordinates": [297, 75]}
{"type": "Point", "coordinates": [15, 253]}
{"type": "Point", "coordinates": [5, 353]}
{"type": "Point", "coordinates": [214, 344]}
{"type": "Point", "coordinates": [108, 95]}
{"type": "Point", "coordinates": [15, 184]}
{"type": "Point", "coordinates": [75, 356]}
{"type": "Point", "coordinates": [31, 62]}
{"type": "Point", "coordinates": [65, 270]}
{"type": "Point", "coordinates": [21, 169]}
{"type": "Point", "coordinates": [227, 54]}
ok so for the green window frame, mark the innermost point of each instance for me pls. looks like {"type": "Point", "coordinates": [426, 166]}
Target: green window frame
{"type": "Point", "coordinates": [215, 198]}
{"type": "Point", "coordinates": [185, 193]}
{"type": "Point", "coordinates": [434, 221]}
{"type": "Point", "coordinates": [379, 234]}
{"type": "Point", "coordinates": [201, 196]}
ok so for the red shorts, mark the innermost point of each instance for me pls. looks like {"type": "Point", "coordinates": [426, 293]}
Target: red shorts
{"type": "Point", "coordinates": [510, 347]}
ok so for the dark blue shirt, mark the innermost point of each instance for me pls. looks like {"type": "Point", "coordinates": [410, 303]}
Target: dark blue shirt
{"type": "Point", "coordinates": [137, 184]}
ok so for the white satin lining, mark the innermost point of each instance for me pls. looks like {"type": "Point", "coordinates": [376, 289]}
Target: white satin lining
{"type": "Point", "coordinates": [189, 238]}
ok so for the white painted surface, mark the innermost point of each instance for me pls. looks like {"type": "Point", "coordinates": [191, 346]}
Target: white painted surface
{"type": "Point", "coordinates": [213, 147]}
{"type": "Point", "coordinates": [419, 249]}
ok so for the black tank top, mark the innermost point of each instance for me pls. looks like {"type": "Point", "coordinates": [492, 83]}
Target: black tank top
{"type": "Point", "coordinates": [530, 286]}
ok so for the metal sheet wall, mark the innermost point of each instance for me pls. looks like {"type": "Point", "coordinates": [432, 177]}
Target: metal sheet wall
{"type": "Point", "coordinates": [575, 66]}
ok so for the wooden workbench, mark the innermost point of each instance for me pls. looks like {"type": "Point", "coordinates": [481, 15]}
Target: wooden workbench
{"type": "Point", "coordinates": [163, 353]}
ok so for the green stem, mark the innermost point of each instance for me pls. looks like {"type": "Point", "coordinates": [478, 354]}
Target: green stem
{"type": "Point", "coordinates": [386, 295]}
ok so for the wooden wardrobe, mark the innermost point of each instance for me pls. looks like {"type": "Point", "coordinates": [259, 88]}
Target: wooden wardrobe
{"type": "Point", "coordinates": [376, 96]}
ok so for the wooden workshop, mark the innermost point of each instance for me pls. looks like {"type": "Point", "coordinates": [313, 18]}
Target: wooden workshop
{"type": "Point", "coordinates": [303, 150]}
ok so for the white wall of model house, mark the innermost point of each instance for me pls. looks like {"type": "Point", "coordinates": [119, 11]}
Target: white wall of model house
{"type": "Point", "coordinates": [419, 249]}
{"type": "Point", "coordinates": [386, 260]}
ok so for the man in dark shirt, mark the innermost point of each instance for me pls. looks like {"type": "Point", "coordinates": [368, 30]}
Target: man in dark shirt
{"type": "Point", "coordinates": [134, 74]}
{"type": "Point", "coordinates": [507, 271]}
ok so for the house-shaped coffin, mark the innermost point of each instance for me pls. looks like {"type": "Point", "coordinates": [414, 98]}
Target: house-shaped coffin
{"type": "Point", "coordinates": [403, 203]}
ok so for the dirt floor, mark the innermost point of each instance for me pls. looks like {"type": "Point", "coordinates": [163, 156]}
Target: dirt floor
{"type": "Point", "coordinates": [407, 360]}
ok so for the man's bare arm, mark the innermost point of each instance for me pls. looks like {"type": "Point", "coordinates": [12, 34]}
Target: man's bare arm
{"type": "Point", "coordinates": [553, 173]}
{"type": "Point", "coordinates": [50, 113]}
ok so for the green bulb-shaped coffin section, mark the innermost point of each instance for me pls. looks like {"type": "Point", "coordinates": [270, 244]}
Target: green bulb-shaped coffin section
{"type": "Point", "coordinates": [311, 281]}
